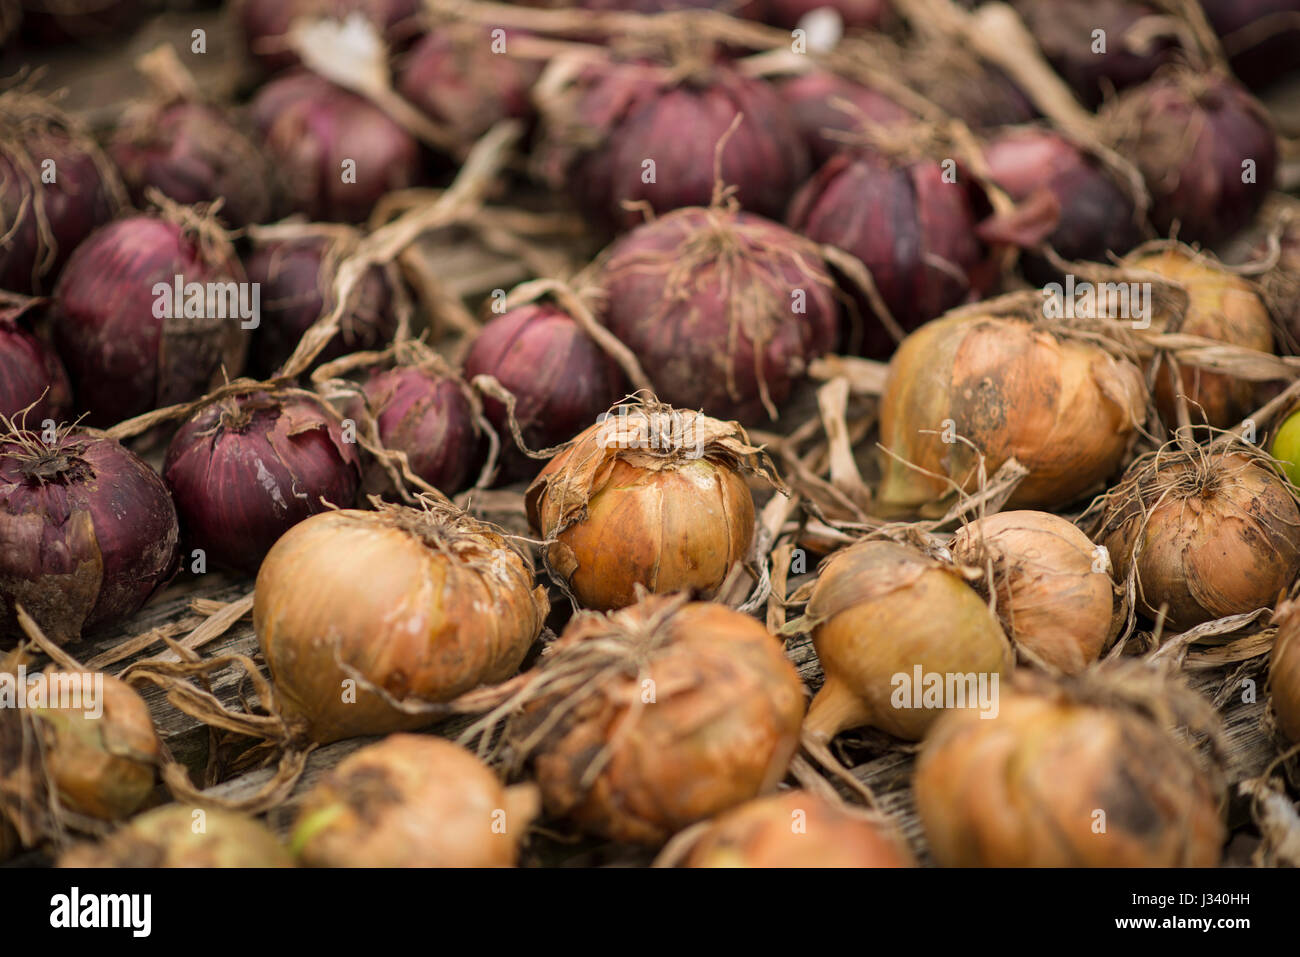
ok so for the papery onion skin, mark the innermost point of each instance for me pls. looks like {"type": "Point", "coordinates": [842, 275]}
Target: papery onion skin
{"type": "Point", "coordinates": [89, 533]}
{"type": "Point", "coordinates": [880, 610]}
{"type": "Point", "coordinates": [413, 801]}
{"type": "Point", "coordinates": [1023, 790]}
{"type": "Point", "coordinates": [167, 837]}
{"type": "Point", "coordinates": [722, 729]}
{"type": "Point", "coordinates": [560, 378]}
{"type": "Point", "coordinates": [247, 468]}
{"type": "Point", "coordinates": [1055, 595]}
{"type": "Point", "coordinates": [123, 359]}
{"type": "Point", "coordinates": [762, 833]}
{"type": "Point", "coordinates": [809, 97]}
{"type": "Point", "coordinates": [1284, 672]}
{"type": "Point", "coordinates": [424, 609]}
{"type": "Point", "coordinates": [265, 23]}
{"type": "Point", "coordinates": [709, 300]}
{"type": "Point", "coordinates": [1065, 408]}
{"type": "Point", "coordinates": [31, 375]}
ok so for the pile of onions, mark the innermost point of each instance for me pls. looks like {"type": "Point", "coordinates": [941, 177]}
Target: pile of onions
{"type": "Point", "coordinates": [413, 801]}
{"type": "Point", "coordinates": [1061, 404]}
{"type": "Point", "coordinates": [1054, 594]}
{"type": "Point", "coordinates": [246, 468]}
{"type": "Point", "coordinates": [265, 23]}
{"type": "Point", "coordinates": [408, 604]}
{"type": "Point", "coordinates": [1262, 37]}
{"type": "Point", "coordinates": [296, 267]}
{"type": "Point", "coordinates": [615, 136]}
{"type": "Point", "coordinates": [725, 308]}
{"type": "Point", "coordinates": [312, 129]}
{"type": "Point", "coordinates": [42, 222]}
{"type": "Point", "coordinates": [795, 829]}
{"type": "Point", "coordinates": [124, 355]}
{"type": "Point", "coordinates": [649, 719]}
{"type": "Point", "coordinates": [1191, 135]}
{"type": "Point", "coordinates": [179, 835]}
{"type": "Point", "coordinates": [1284, 672]}
{"type": "Point", "coordinates": [880, 613]}
{"type": "Point", "coordinates": [1028, 788]}
{"type": "Point", "coordinates": [651, 496]}
{"type": "Point", "coordinates": [31, 376]}
{"type": "Point", "coordinates": [810, 98]}
{"type": "Point", "coordinates": [560, 377]}
{"type": "Point", "coordinates": [1205, 534]}
{"type": "Point", "coordinates": [89, 532]}
{"type": "Point", "coordinates": [194, 153]}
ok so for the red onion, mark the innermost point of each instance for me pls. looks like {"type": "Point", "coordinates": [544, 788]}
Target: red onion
{"type": "Point", "coordinates": [866, 14]}
{"type": "Point", "coordinates": [30, 371]}
{"type": "Point", "coordinates": [194, 153]}
{"type": "Point", "coordinates": [965, 86]}
{"type": "Point", "coordinates": [604, 132]}
{"type": "Point", "coordinates": [1261, 36]}
{"type": "Point", "coordinates": [561, 379]}
{"type": "Point", "coordinates": [296, 276]}
{"type": "Point", "coordinates": [724, 309]}
{"type": "Point", "coordinates": [265, 23]}
{"type": "Point", "coordinates": [809, 97]}
{"type": "Point", "coordinates": [125, 358]}
{"type": "Point", "coordinates": [247, 468]}
{"type": "Point", "coordinates": [87, 532]}
{"type": "Point", "coordinates": [84, 193]}
{"type": "Point", "coordinates": [312, 128]}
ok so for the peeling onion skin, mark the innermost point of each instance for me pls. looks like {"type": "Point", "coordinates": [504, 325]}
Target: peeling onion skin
{"type": "Point", "coordinates": [31, 374]}
{"type": "Point", "coordinates": [1284, 672]}
{"type": "Point", "coordinates": [167, 837]}
{"type": "Point", "coordinates": [421, 622]}
{"type": "Point", "coordinates": [245, 470]}
{"type": "Point", "coordinates": [88, 533]}
{"type": "Point", "coordinates": [413, 801]}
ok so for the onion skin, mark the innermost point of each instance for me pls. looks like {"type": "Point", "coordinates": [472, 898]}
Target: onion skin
{"type": "Point", "coordinates": [1052, 596]}
{"type": "Point", "coordinates": [722, 729]}
{"type": "Point", "coordinates": [124, 360]}
{"type": "Point", "coordinates": [310, 127]}
{"type": "Point", "coordinates": [413, 801]}
{"type": "Point", "coordinates": [1284, 672]}
{"type": "Point", "coordinates": [880, 610]}
{"type": "Point", "coordinates": [1209, 535]}
{"type": "Point", "coordinates": [809, 98]}
{"type": "Point", "coordinates": [1062, 407]}
{"type": "Point", "coordinates": [560, 378]}
{"type": "Point", "coordinates": [422, 608]}
{"type": "Point", "coordinates": [244, 470]}
{"type": "Point", "coordinates": [867, 14]}
{"type": "Point", "coordinates": [1023, 789]}
{"type": "Point", "coordinates": [31, 374]}
{"type": "Point", "coordinates": [169, 836]}
{"type": "Point", "coordinates": [707, 299]}
{"type": "Point", "coordinates": [760, 833]}
{"type": "Point", "coordinates": [265, 23]}
{"type": "Point", "coordinates": [88, 533]}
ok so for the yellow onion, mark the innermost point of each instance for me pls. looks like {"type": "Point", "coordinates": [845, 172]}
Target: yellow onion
{"type": "Point", "coordinates": [180, 836]}
{"type": "Point", "coordinates": [358, 611]}
{"type": "Point", "coordinates": [642, 721]}
{"type": "Point", "coordinates": [1055, 781]}
{"type": "Point", "coordinates": [796, 829]}
{"type": "Point", "coordinates": [1284, 671]}
{"type": "Point", "coordinates": [1205, 534]}
{"type": "Point", "coordinates": [880, 613]}
{"type": "Point", "coordinates": [651, 496]}
{"type": "Point", "coordinates": [1054, 593]}
{"type": "Point", "coordinates": [1064, 406]}
{"type": "Point", "coordinates": [413, 801]}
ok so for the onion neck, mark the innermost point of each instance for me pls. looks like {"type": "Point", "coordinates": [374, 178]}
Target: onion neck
{"type": "Point", "coordinates": [834, 709]}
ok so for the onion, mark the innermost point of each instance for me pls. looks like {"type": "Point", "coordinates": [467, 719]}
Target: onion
{"type": "Point", "coordinates": [413, 801]}
{"type": "Point", "coordinates": [1285, 447]}
{"type": "Point", "coordinates": [810, 99]}
{"type": "Point", "coordinates": [265, 24]}
{"type": "Point", "coordinates": [182, 836]}
{"type": "Point", "coordinates": [726, 309]}
{"type": "Point", "coordinates": [867, 14]}
{"type": "Point", "coordinates": [795, 829]}
{"type": "Point", "coordinates": [31, 376]}
{"type": "Point", "coordinates": [963, 85]}
{"type": "Point", "coordinates": [194, 153]}
{"type": "Point", "coordinates": [1284, 672]}
{"type": "Point", "coordinates": [1191, 135]}
{"type": "Point", "coordinates": [247, 468]}
{"type": "Point", "coordinates": [649, 719]}
{"type": "Point", "coordinates": [87, 532]}
{"type": "Point", "coordinates": [313, 129]}
{"type": "Point", "coordinates": [296, 275]}
{"type": "Point", "coordinates": [1060, 403]}
{"type": "Point", "coordinates": [1054, 594]}
{"type": "Point", "coordinates": [41, 222]}
{"type": "Point", "coordinates": [396, 604]}
{"type": "Point", "coordinates": [651, 496]}
{"type": "Point", "coordinates": [604, 131]}
{"type": "Point", "coordinates": [881, 613]}
{"type": "Point", "coordinates": [1055, 781]}
{"type": "Point", "coordinates": [124, 358]}
{"type": "Point", "coordinates": [1207, 534]}
{"type": "Point", "coordinates": [1261, 36]}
